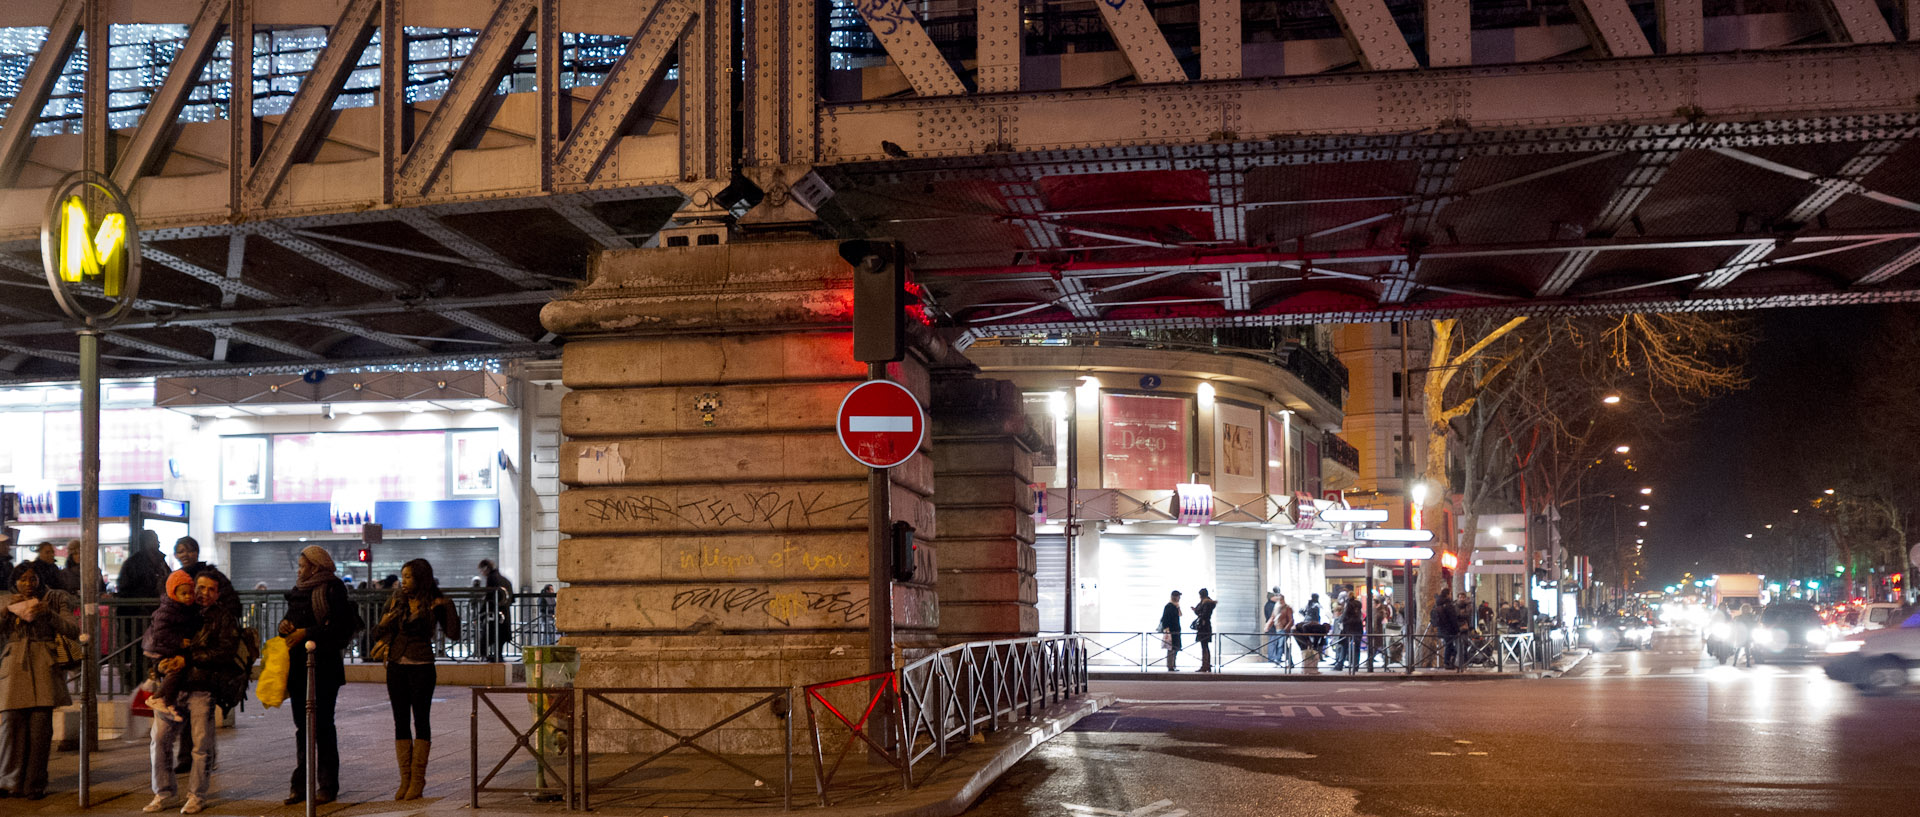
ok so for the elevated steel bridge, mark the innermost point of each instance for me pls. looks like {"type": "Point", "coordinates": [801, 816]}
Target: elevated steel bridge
{"type": "Point", "coordinates": [410, 180]}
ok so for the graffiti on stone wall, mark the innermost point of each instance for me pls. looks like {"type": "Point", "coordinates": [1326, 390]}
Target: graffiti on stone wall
{"type": "Point", "coordinates": [841, 606]}
{"type": "Point", "coordinates": [774, 509]}
{"type": "Point", "coordinates": [732, 561]}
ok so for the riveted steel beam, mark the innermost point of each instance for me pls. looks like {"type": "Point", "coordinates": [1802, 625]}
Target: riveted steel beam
{"type": "Point", "coordinates": [899, 30]}
{"type": "Point", "coordinates": [157, 124]}
{"type": "Point", "coordinates": [313, 104]}
{"type": "Point", "coordinates": [1887, 271]}
{"type": "Point", "coordinates": [327, 257]}
{"type": "Point", "coordinates": [707, 70]}
{"type": "Point", "coordinates": [228, 284]}
{"type": "Point", "coordinates": [1612, 28]}
{"type": "Point", "coordinates": [225, 334]}
{"type": "Point", "coordinates": [375, 335]}
{"type": "Point", "coordinates": [782, 59]}
{"type": "Point", "coordinates": [585, 221]}
{"type": "Point", "coordinates": [1138, 35]}
{"type": "Point", "coordinates": [617, 103]}
{"type": "Point", "coordinates": [472, 250]}
{"type": "Point", "coordinates": [122, 339]}
{"type": "Point", "coordinates": [179, 315]}
{"type": "Point", "coordinates": [479, 324]}
{"type": "Point", "coordinates": [1827, 190]}
{"type": "Point", "coordinates": [999, 31]}
{"type": "Point", "coordinates": [1683, 26]}
{"type": "Point", "coordinates": [1763, 95]}
{"type": "Point", "coordinates": [1648, 169]}
{"type": "Point", "coordinates": [16, 132]}
{"type": "Point", "coordinates": [473, 84]}
{"type": "Point", "coordinates": [1374, 36]}
{"type": "Point", "coordinates": [1856, 21]}
{"type": "Point", "coordinates": [1450, 33]}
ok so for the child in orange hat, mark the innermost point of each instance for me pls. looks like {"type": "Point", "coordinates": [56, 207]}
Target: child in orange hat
{"type": "Point", "coordinates": [174, 624]}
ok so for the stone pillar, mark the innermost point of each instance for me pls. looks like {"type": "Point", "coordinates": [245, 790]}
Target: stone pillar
{"type": "Point", "coordinates": [718, 528]}
{"type": "Point", "coordinates": [983, 462]}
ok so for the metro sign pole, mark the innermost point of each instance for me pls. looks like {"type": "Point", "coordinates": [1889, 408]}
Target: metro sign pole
{"type": "Point", "coordinates": [90, 247]}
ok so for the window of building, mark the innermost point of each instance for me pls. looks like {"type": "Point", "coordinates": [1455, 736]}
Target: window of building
{"type": "Point", "coordinates": [1047, 413]}
{"type": "Point", "coordinates": [1396, 385]}
{"type": "Point", "coordinates": [1393, 327]}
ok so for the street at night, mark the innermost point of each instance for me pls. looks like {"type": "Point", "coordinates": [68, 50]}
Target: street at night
{"type": "Point", "coordinates": [1665, 731]}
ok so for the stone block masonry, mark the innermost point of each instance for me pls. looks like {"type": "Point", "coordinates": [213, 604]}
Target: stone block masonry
{"type": "Point", "coordinates": [718, 532]}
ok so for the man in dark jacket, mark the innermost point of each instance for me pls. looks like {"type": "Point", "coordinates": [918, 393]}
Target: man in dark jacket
{"type": "Point", "coordinates": [495, 628]}
{"type": "Point", "coordinates": [1446, 624]}
{"type": "Point", "coordinates": [1170, 624]}
{"type": "Point", "coordinates": [142, 576]}
{"type": "Point", "coordinates": [47, 565]}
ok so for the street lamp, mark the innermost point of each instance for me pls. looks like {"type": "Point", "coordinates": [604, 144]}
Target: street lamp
{"type": "Point", "coordinates": [1829, 492]}
{"type": "Point", "coordinates": [1611, 399]}
{"type": "Point", "coordinates": [1621, 449]}
{"type": "Point", "coordinates": [1645, 491]}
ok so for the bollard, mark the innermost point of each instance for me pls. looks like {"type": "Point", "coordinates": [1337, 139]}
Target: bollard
{"type": "Point", "coordinates": [313, 744]}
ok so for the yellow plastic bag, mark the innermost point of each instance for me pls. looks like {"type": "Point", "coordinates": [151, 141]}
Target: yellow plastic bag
{"type": "Point", "coordinates": [272, 688]}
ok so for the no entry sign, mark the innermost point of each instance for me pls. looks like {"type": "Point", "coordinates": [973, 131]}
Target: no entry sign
{"type": "Point", "coordinates": [880, 424]}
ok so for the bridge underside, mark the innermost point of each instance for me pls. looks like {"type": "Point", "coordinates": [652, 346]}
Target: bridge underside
{"type": "Point", "coordinates": [418, 198]}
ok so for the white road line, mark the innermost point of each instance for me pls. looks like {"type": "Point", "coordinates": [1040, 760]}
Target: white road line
{"type": "Point", "coordinates": [1682, 670]}
{"type": "Point", "coordinates": [1638, 671]}
{"type": "Point", "coordinates": [1595, 672]}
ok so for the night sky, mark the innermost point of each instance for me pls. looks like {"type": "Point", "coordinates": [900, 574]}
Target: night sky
{"type": "Point", "coordinates": [1734, 466]}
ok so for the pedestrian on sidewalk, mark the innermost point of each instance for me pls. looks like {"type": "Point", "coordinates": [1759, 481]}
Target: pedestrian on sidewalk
{"type": "Point", "coordinates": [1352, 629]}
{"type": "Point", "coordinates": [143, 577]}
{"type": "Point", "coordinates": [1170, 630]}
{"type": "Point", "coordinates": [30, 685]}
{"type": "Point", "coordinates": [497, 631]}
{"type": "Point", "coordinates": [404, 637]}
{"type": "Point", "coordinates": [318, 610]}
{"type": "Point", "coordinates": [1279, 626]}
{"type": "Point", "coordinates": [1446, 624]}
{"type": "Point", "coordinates": [1203, 629]}
{"type": "Point", "coordinates": [213, 677]}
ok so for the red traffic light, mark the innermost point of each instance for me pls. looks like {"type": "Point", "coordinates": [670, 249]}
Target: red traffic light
{"type": "Point", "coordinates": [1448, 560]}
{"type": "Point", "coordinates": [366, 555]}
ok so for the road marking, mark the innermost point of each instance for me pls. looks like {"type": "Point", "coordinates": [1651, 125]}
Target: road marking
{"type": "Point", "coordinates": [1639, 671]}
{"type": "Point", "coordinates": [1442, 754]}
{"type": "Point", "coordinates": [1596, 672]}
{"type": "Point", "coordinates": [1478, 754]}
{"type": "Point", "coordinates": [1682, 670]}
{"type": "Point", "coordinates": [1149, 810]}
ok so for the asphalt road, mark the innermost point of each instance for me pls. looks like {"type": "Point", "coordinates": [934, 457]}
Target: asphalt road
{"type": "Point", "coordinates": [1657, 732]}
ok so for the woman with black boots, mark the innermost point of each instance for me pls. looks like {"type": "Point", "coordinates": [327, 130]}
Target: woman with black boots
{"type": "Point", "coordinates": [404, 639]}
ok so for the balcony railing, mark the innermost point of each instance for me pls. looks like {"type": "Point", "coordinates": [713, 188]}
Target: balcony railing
{"type": "Point", "coordinates": [1340, 451]}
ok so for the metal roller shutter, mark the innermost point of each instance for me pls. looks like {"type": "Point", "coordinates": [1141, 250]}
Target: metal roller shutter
{"type": "Point", "coordinates": [1050, 554]}
{"type": "Point", "coordinates": [1236, 576]}
{"type": "Point", "coordinates": [1136, 573]}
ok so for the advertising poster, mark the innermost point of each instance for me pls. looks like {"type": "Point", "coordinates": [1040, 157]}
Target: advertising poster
{"type": "Point", "coordinates": [1276, 455]}
{"type": "Point", "coordinates": [1143, 441]}
{"type": "Point", "coordinates": [1236, 449]}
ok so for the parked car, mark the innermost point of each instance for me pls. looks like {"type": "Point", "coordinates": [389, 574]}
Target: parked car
{"type": "Point", "coordinates": [1877, 662]}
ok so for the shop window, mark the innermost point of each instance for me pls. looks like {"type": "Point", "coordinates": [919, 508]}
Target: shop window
{"type": "Point", "coordinates": [1276, 455]}
{"type": "Point", "coordinates": [391, 465]}
{"type": "Point", "coordinates": [476, 462]}
{"type": "Point", "coordinates": [243, 468]}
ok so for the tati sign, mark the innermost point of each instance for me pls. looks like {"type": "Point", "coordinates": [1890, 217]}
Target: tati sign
{"type": "Point", "coordinates": [881, 424]}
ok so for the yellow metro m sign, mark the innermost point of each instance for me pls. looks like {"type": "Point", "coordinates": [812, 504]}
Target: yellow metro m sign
{"type": "Point", "coordinates": [90, 247]}
{"type": "Point", "coordinates": [100, 257]}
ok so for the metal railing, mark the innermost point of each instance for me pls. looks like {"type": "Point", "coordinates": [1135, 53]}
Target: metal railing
{"type": "Point", "coordinates": [555, 708]}
{"type": "Point", "coordinates": [492, 629]}
{"type": "Point", "coordinates": [918, 713]}
{"type": "Point", "coordinates": [777, 700]}
{"type": "Point", "coordinates": [1371, 652]}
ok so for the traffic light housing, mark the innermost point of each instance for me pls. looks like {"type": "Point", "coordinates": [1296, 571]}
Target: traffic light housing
{"type": "Point", "coordinates": [879, 299]}
{"type": "Point", "coordinates": [903, 548]}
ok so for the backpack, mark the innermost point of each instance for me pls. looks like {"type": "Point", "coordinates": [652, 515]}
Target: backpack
{"type": "Point", "coordinates": [234, 689]}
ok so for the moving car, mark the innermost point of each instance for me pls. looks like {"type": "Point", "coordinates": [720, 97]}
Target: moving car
{"type": "Point", "coordinates": [1612, 632]}
{"type": "Point", "coordinates": [1789, 630]}
{"type": "Point", "coordinates": [1877, 662]}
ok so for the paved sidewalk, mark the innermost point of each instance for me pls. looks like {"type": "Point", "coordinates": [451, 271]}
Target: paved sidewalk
{"type": "Point", "coordinates": [256, 760]}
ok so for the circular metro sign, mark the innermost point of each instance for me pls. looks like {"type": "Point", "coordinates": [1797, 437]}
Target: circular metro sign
{"type": "Point", "coordinates": [91, 248]}
{"type": "Point", "coordinates": [881, 424]}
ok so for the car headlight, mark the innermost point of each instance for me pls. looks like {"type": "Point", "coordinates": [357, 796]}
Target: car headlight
{"type": "Point", "coordinates": [1721, 631]}
{"type": "Point", "coordinates": [1765, 635]}
{"type": "Point", "coordinates": [1817, 636]}
{"type": "Point", "coordinates": [1845, 647]}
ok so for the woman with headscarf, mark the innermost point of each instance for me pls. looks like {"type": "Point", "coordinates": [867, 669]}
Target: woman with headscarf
{"type": "Point", "coordinates": [318, 611]}
{"type": "Point", "coordinates": [30, 686]}
{"type": "Point", "coordinates": [405, 632]}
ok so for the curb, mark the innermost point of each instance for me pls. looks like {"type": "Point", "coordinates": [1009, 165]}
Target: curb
{"type": "Point", "coordinates": [1342, 677]}
{"type": "Point", "coordinates": [1009, 754]}
{"type": "Point", "coordinates": [1559, 671]}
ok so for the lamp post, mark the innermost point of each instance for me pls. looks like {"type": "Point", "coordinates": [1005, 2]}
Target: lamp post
{"type": "Point", "coordinates": [90, 247]}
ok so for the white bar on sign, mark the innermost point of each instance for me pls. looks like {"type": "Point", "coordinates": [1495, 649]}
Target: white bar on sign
{"type": "Point", "coordinates": [858, 423]}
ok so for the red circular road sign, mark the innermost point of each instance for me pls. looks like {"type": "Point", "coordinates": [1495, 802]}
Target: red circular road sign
{"type": "Point", "coordinates": [881, 424]}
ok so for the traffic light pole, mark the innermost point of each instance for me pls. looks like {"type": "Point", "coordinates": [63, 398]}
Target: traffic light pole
{"type": "Point", "coordinates": [880, 558]}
